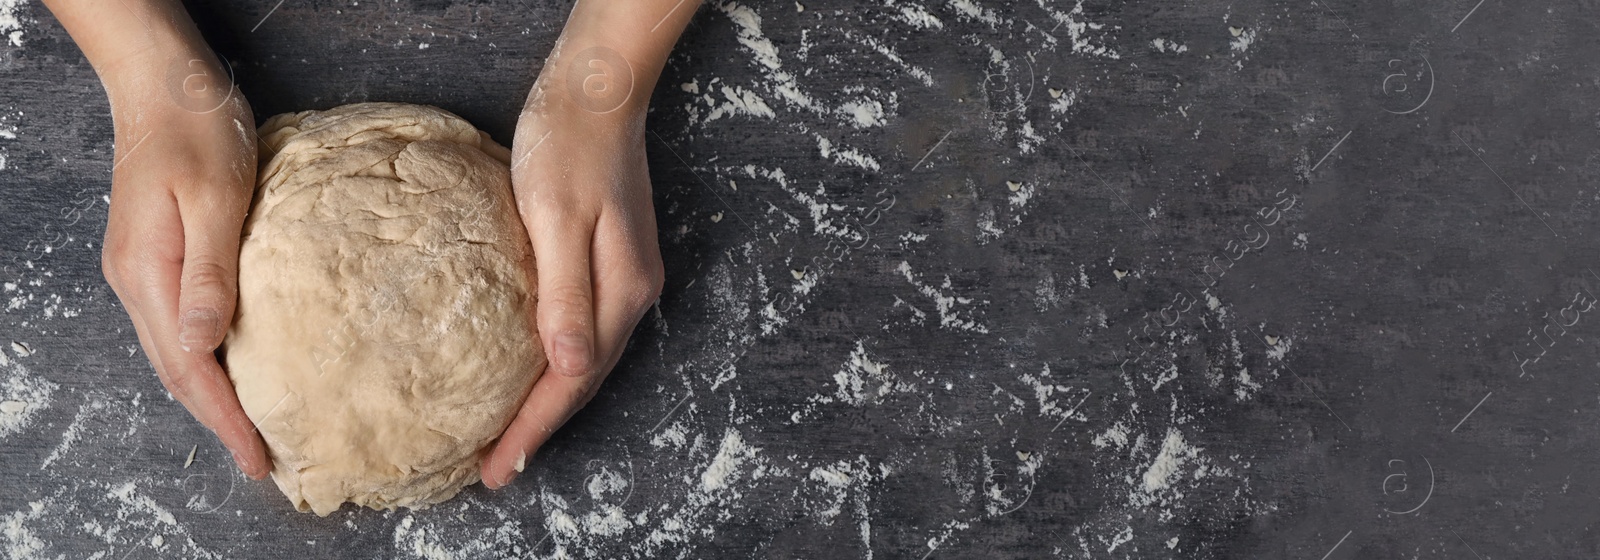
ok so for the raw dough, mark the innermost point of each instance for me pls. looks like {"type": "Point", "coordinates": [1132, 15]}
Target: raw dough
{"type": "Point", "coordinates": [385, 332]}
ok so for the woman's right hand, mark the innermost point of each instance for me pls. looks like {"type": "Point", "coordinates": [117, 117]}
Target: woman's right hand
{"type": "Point", "coordinates": [183, 174]}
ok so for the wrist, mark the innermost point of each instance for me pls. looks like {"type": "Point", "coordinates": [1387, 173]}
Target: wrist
{"type": "Point", "coordinates": [644, 31]}
{"type": "Point", "coordinates": [590, 79]}
{"type": "Point", "coordinates": [610, 55]}
{"type": "Point", "coordinates": [174, 76]}
{"type": "Point", "coordinates": [132, 44]}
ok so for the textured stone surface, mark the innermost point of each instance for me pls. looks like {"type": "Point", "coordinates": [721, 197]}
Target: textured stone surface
{"type": "Point", "coordinates": [1266, 287]}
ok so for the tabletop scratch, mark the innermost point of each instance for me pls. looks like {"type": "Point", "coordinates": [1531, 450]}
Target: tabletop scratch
{"type": "Point", "coordinates": [670, 412]}
{"type": "Point", "coordinates": [930, 150]}
{"type": "Point", "coordinates": [1507, 185]}
{"type": "Point", "coordinates": [1336, 545]}
{"type": "Point", "coordinates": [1109, 188]}
{"type": "Point", "coordinates": [1331, 150]}
{"type": "Point", "coordinates": [702, 181]}
{"type": "Point", "coordinates": [1073, 411]}
{"type": "Point", "coordinates": [1464, 543]}
{"type": "Point", "coordinates": [1469, 14]}
{"type": "Point", "coordinates": [264, 18]}
{"type": "Point", "coordinates": [1314, 395]}
{"type": "Point", "coordinates": [1469, 412]}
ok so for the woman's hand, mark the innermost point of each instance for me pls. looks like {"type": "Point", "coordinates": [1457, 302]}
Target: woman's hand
{"type": "Point", "coordinates": [583, 189]}
{"type": "Point", "coordinates": [180, 188]}
{"type": "Point", "coordinates": [182, 177]}
{"type": "Point", "coordinates": [185, 167]}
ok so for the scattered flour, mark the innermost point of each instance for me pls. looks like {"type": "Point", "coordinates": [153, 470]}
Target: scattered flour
{"type": "Point", "coordinates": [605, 483]}
{"type": "Point", "coordinates": [601, 528]}
{"type": "Point", "coordinates": [22, 396]}
{"type": "Point", "coordinates": [101, 418]}
{"type": "Point", "coordinates": [845, 156]}
{"type": "Point", "coordinates": [422, 542]}
{"type": "Point", "coordinates": [1021, 194]}
{"type": "Point", "coordinates": [724, 468]}
{"type": "Point", "coordinates": [1031, 139]}
{"type": "Point", "coordinates": [916, 16]}
{"type": "Point", "coordinates": [1078, 30]}
{"type": "Point", "coordinates": [1047, 295]}
{"type": "Point", "coordinates": [69, 437]}
{"type": "Point", "coordinates": [1063, 100]}
{"type": "Point", "coordinates": [11, 28]}
{"type": "Point", "coordinates": [971, 10]}
{"type": "Point", "coordinates": [862, 380]}
{"type": "Point", "coordinates": [841, 483]}
{"type": "Point", "coordinates": [888, 52]}
{"type": "Point", "coordinates": [1165, 46]}
{"type": "Point", "coordinates": [1045, 392]}
{"type": "Point", "coordinates": [1279, 348]}
{"type": "Point", "coordinates": [750, 35]}
{"type": "Point", "coordinates": [987, 230]}
{"type": "Point", "coordinates": [740, 101]}
{"type": "Point", "coordinates": [1242, 39]}
{"type": "Point", "coordinates": [20, 541]}
{"type": "Point", "coordinates": [1174, 452]}
{"type": "Point", "coordinates": [835, 477]}
{"type": "Point", "coordinates": [865, 113]}
{"type": "Point", "coordinates": [949, 316]}
{"type": "Point", "coordinates": [766, 55]}
{"type": "Point", "coordinates": [1115, 436]}
{"type": "Point", "coordinates": [674, 436]}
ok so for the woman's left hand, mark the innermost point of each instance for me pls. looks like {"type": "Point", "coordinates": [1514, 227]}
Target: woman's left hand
{"type": "Point", "coordinates": [583, 189]}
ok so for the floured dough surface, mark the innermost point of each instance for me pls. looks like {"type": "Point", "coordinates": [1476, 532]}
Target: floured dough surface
{"type": "Point", "coordinates": [385, 331]}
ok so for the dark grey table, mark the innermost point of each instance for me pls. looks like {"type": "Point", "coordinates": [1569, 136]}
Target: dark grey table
{"type": "Point", "coordinates": [964, 279]}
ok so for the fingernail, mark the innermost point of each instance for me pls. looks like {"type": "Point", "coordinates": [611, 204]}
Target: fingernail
{"type": "Point", "coordinates": [198, 329]}
{"type": "Point", "coordinates": [572, 354]}
{"type": "Point", "coordinates": [501, 483]}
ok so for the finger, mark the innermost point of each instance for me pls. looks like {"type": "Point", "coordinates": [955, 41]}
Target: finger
{"type": "Point", "coordinates": [212, 217]}
{"type": "Point", "coordinates": [154, 355]}
{"type": "Point", "coordinates": [553, 400]}
{"type": "Point", "coordinates": [562, 242]}
{"type": "Point", "coordinates": [199, 382]}
{"type": "Point", "coordinates": [147, 280]}
{"type": "Point", "coordinates": [248, 463]}
{"type": "Point", "coordinates": [628, 280]}
{"type": "Point", "coordinates": [562, 246]}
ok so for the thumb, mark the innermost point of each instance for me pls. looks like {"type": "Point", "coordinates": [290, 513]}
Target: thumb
{"type": "Point", "coordinates": [208, 289]}
{"type": "Point", "coordinates": [565, 293]}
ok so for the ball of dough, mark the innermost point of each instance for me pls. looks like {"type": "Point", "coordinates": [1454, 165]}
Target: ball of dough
{"type": "Point", "coordinates": [385, 332]}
